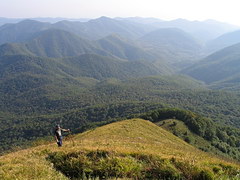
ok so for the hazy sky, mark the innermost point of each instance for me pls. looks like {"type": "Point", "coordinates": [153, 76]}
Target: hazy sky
{"type": "Point", "coordinates": [223, 10]}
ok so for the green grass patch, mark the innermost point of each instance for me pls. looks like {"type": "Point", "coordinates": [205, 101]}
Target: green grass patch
{"type": "Point", "coordinates": [104, 165]}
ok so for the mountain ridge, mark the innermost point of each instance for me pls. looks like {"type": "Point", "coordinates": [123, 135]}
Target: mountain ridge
{"type": "Point", "coordinates": [218, 66]}
{"type": "Point", "coordinates": [223, 41]}
{"type": "Point", "coordinates": [132, 142]}
{"type": "Point", "coordinates": [172, 44]}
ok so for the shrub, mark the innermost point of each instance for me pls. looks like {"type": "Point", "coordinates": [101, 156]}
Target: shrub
{"type": "Point", "coordinates": [217, 169]}
{"type": "Point", "coordinates": [205, 175]}
{"type": "Point", "coordinates": [188, 139]}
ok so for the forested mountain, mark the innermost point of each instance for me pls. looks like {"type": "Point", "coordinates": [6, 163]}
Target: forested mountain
{"type": "Point", "coordinates": [41, 19]}
{"type": "Point", "coordinates": [171, 45]}
{"type": "Point", "coordinates": [124, 48]}
{"type": "Point", "coordinates": [14, 49]}
{"type": "Point", "coordinates": [100, 67]}
{"type": "Point", "coordinates": [21, 31]}
{"type": "Point", "coordinates": [202, 30]}
{"type": "Point", "coordinates": [172, 37]}
{"type": "Point", "coordinates": [219, 66]}
{"type": "Point", "coordinates": [127, 27]}
{"type": "Point", "coordinates": [87, 65]}
{"type": "Point", "coordinates": [79, 101]}
{"type": "Point", "coordinates": [52, 43]}
{"type": "Point", "coordinates": [29, 80]}
{"type": "Point", "coordinates": [103, 26]}
{"type": "Point", "coordinates": [93, 29]}
{"type": "Point", "coordinates": [223, 41]}
{"type": "Point", "coordinates": [56, 43]}
{"type": "Point", "coordinates": [4, 20]}
{"type": "Point", "coordinates": [59, 43]}
{"type": "Point", "coordinates": [175, 44]}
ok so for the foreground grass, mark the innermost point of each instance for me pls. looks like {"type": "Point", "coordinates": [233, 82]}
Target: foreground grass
{"type": "Point", "coordinates": [128, 149]}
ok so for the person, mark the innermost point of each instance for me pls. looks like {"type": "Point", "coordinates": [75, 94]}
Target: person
{"type": "Point", "coordinates": [58, 134]}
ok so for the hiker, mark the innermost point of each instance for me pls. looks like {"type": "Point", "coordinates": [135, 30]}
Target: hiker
{"type": "Point", "coordinates": [58, 134]}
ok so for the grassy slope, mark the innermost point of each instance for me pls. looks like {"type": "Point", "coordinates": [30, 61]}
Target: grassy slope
{"type": "Point", "coordinates": [125, 137]}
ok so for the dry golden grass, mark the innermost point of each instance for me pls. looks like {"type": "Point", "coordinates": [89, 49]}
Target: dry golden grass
{"type": "Point", "coordinates": [129, 136]}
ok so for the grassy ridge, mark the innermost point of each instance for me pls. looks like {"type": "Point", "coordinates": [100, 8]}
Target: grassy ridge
{"type": "Point", "coordinates": [133, 148]}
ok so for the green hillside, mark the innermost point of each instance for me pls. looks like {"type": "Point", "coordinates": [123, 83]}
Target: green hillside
{"type": "Point", "coordinates": [128, 149]}
{"type": "Point", "coordinates": [14, 49]}
{"type": "Point", "coordinates": [93, 29]}
{"type": "Point", "coordinates": [55, 43]}
{"type": "Point", "coordinates": [203, 30]}
{"type": "Point", "coordinates": [229, 84]}
{"type": "Point", "coordinates": [172, 44]}
{"type": "Point", "coordinates": [59, 43]}
{"type": "Point", "coordinates": [21, 31]}
{"type": "Point", "coordinates": [62, 39]}
{"type": "Point", "coordinates": [52, 43]}
{"type": "Point", "coordinates": [101, 67]}
{"type": "Point", "coordinates": [46, 91]}
{"type": "Point", "coordinates": [219, 66]}
{"type": "Point", "coordinates": [102, 27]}
{"type": "Point", "coordinates": [182, 131]}
{"type": "Point", "coordinates": [199, 131]}
{"type": "Point", "coordinates": [172, 36]}
{"type": "Point", "coordinates": [43, 83]}
{"type": "Point", "coordinates": [124, 48]}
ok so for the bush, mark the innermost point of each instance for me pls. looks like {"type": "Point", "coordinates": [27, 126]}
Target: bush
{"type": "Point", "coordinates": [188, 139]}
{"type": "Point", "coordinates": [205, 175]}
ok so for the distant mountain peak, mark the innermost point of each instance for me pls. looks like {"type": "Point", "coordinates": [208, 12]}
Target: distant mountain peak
{"type": "Point", "coordinates": [102, 18]}
{"type": "Point", "coordinates": [30, 22]}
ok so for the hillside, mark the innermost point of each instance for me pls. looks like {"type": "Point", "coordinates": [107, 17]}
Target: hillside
{"type": "Point", "coordinates": [219, 66]}
{"type": "Point", "coordinates": [166, 46]}
{"type": "Point", "coordinates": [101, 67]}
{"type": "Point", "coordinates": [124, 48]}
{"type": "Point", "coordinates": [223, 41]}
{"type": "Point", "coordinates": [52, 43]}
{"type": "Point", "coordinates": [132, 27]}
{"type": "Point", "coordinates": [55, 43]}
{"type": "Point", "coordinates": [98, 28]}
{"type": "Point", "coordinates": [31, 104]}
{"type": "Point", "coordinates": [202, 30]}
{"type": "Point", "coordinates": [230, 84]}
{"type": "Point", "coordinates": [197, 130]}
{"type": "Point", "coordinates": [58, 43]}
{"type": "Point", "coordinates": [128, 149]}
{"type": "Point", "coordinates": [42, 83]}
{"type": "Point", "coordinates": [14, 49]}
{"type": "Point", "coordinates": [93, 29]}
{"type": "Point", "coordinates": [21, 31]}
{"type": "Point", "coordinates": [172, 43]}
